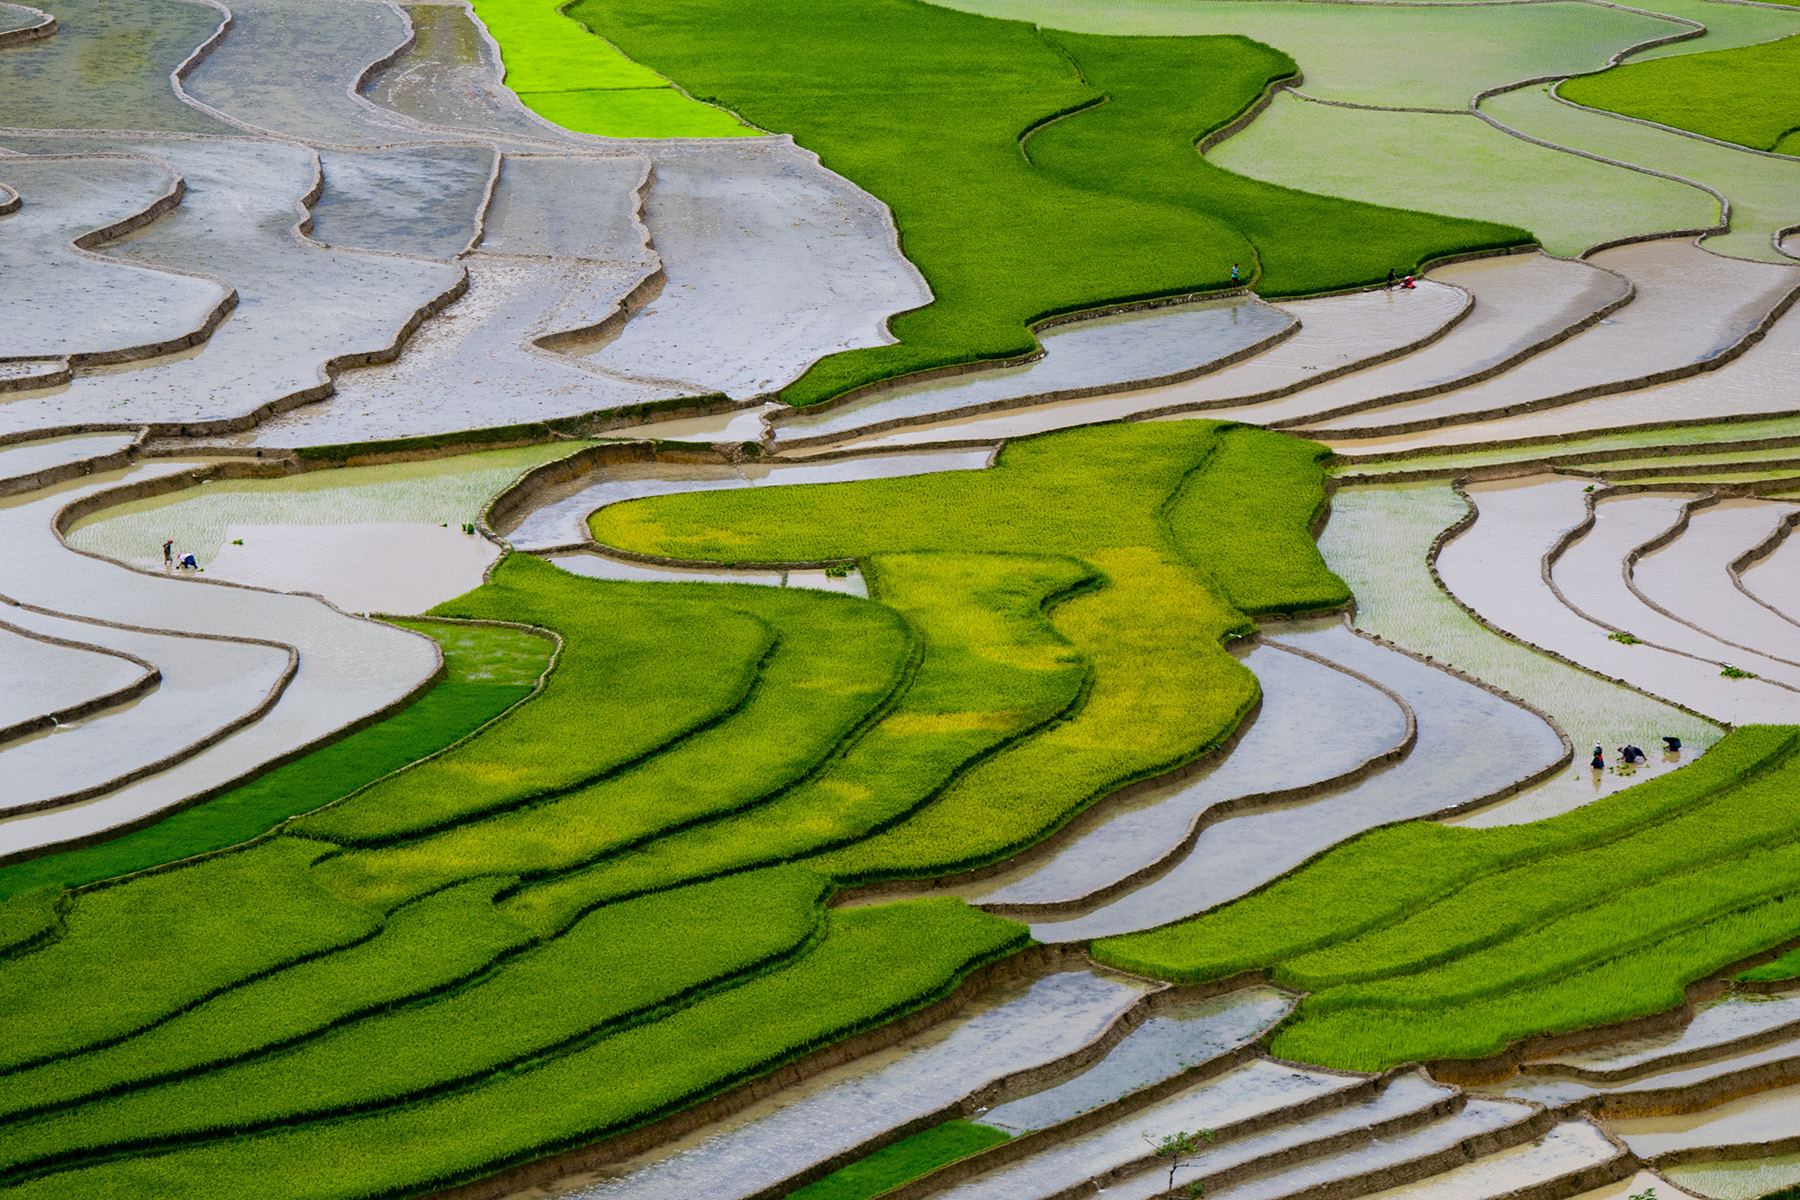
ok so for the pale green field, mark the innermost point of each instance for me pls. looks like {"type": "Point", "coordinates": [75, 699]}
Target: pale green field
{"type": "Point", "coordinates": [1377, 540]}
{"type": "Point", "coordinates": [1727, 25]}
{"type": "Point", "coordinates": [1647, 439]}
{"type": "Point", "coordinates": [1459, 166]}
{"type": "Point", "coordinates": [1764, 192]}
{"type": "Point", "coordinates": [444, 491]}
{"type": "Point", "coordinates": [1436, 57]}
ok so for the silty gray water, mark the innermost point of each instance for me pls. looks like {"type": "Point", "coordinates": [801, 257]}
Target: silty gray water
{"type": "Point", "coordinates": [28, 458]}
{"type": "Point", "coordinates": [1569, 1148]}
{"type": "Point", "coordinates": [298, 305]}
{"type": "Point", "coordinates": [1718, 1021]}
{"type": "Point", "coordinates": [1691, 577]}
{"type": "Point", "coordinates": [1177, 1037]}
{"type": "Point", "coordinates": [563, 521]}
{"type": "Point", "coordinates": [206, 685]}
{"type": "Point", "coordinates": [1750, 1064]}
{"type": "Point", "coordinates": [1408, 1096]}
{"type": "Point", "coordinates": [59, 301]}
{"type": "Point", "coordinates": [43, 677]}
{"type": "Point", "coordinates": [1113, 353]}
{"type": "Point", "coordinates": [1470, 744]}
{"type": "Point", "coordinates": [108, 68]}
{"type": "Point", "coordinates": [349, 669]}
{"type": "Point", "coordinates": [814, 1122]}
{"type": "Point", "coordinates": [1304, 704]}
{"type": "Point", "coordinates": [413, 200]}
{"type": "Point", "coordinates": [1256, 1089]}
{"type": "Point", "coordinates": [1690, 307]}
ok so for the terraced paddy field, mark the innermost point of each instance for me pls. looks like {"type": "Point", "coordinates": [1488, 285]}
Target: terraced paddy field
{"type": "Point", "coordinates": [1016, 599]}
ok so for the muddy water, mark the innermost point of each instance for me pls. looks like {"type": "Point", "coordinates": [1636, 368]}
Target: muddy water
{"type": "Point", "coordinates": [1724, 1019]}
{"type": "Point", "coordinates": [1591, 576]}
{"type": "Point", "coordinates": [382, 567]}
{"type": "Point", "coordinates": [349, 669]}
{"type": "Point", "coordinates": [1732, 1179]}
{"type": "Point", "coordinates": [1566, 1149]}
{"type": "Point", "coordinates": [451, 77]}
{"type": "Point", "coordinates": [1520, 301]}
{"type": "Point", "coordinates": [1177, 1037]}
{"type": "Point", "coordinates": [1554, 1091]}
{"type": "Point", "coordinates": [27, 458]}
{"type": "Point", "coordinates": [1470, 743]}
{"type": "Point", "coordinates": [206, 684]}
{"type": "Point", "coordinates": [412, 200]}
{"type": "Point", "coordinates": [1692, 578]}
{"type": "Point", "coordinates": [1690, 307]}
{"type": "Point", "coordinates": [1252, 1090]}
{"type": "Point", "coordinates": [1335, 332]}
{"type": "Point", "coordinates": [1109, 353]}
{"type": "Point", "coordinates": [1764, 1117]}
{"type": "Point", "coordinates": [563, 520]}
{"type": "Point", "coordinates": [1303, 704]}
{"type": "Point", "coordinates": [1010, 1029]}
{"type": "Point", "coordinates": [598, 566]}
{"type": "Point", "coordinates": [1494, 568]}
{"type": "Point", "coordinates": [43, 678]}
{"type": "Point", "coordinates": [1775, 580]}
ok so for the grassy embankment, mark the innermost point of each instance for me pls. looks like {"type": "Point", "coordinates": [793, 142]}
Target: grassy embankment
{"type": "Point", "coordinates": [1745, 94]}
{"type": "Point", "coordinates": [904, 1161]}
{"type": "Point", "coordinates": [1426, 941]}
{"type": "Point", "coordinates": [565, 74]}
{"type": "Point", "coordinates": [311, 954]}
{"type": "Point", "coordinates": [1112, 204]}
{"type": "Point", "coordinates": [488, 669]}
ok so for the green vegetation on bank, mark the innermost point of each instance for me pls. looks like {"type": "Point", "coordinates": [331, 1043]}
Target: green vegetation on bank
{"type": "Point", "coordinates": [488, 669]}
{"type": "Point", "coordinates": [1745, 94]}
{"type": "Point", "coordinates": [609, 904]}
{"type": "Point", "coordinates": [904, 1161]}
{"type": "Point", "coordinates": [1426, 941]}
{"type": "Point", "coordinates": [1109, 200]}
{"type": "Point", "coordinates": [568, 76]}
{"type": "Point", "coordinates": [871, 966]}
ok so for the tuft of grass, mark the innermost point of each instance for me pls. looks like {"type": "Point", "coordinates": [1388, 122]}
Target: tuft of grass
{"type": "Point", "coordinates": [1061, 175]}
{"type": "Point", "coordinates": [1785, 967]}
{"type": "Point", "coordinates": [904, 1161]}
{"type": "Point", "coordinates": [1745, 94]}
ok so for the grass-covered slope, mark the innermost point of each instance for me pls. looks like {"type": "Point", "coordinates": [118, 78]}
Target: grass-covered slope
{"type": "Point", "coordinates": [609, 904]}
{"type": "Point", "coordinates": [1425, 941]}
{"type": "Point", "coordinates": [567, 75]}
{"type": "Point", "coordinates": [487, 669]}
{"type": "Point", "coordinates": [1745, 94]}
{"type": "Point", "coordinates": [926, 107]}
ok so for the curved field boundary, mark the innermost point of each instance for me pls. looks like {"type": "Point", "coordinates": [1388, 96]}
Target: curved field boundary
{"type": "Point", "coordinates": [1687, 370]}
{"type": "Point", "coordinates": [45, 27]}
{"type": "Point", "coordinates": [1571, 536]}
{"type": "Point", "coordinates": [1756, 554]}
{"type": "Point", "coordinates": [1451, 532]}
{"type": "Point", "coordinates": [37, 481]}
{"type": "Point", "coordinates": [249, 717]}
{"type": "Point", "coordinates": [1030, 963]}
{"type": "Point", "coordinates": [1210, 816]}
{"type": "Point", "coordinates": [85, 245]}
{"type": "Point", "coordinates": [1667, 537]}
{"type": "Point", "coordinates": [143, 684]}
{"type": "Point", "coordinates": [1500, 368]}
{"type": "Point", "coordinates": [781, 416]}
{"type": "Point", "coordinates": [143, 489]}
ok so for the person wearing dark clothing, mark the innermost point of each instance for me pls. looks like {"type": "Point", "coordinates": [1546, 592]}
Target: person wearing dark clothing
{"type": "Point", "coordinates": [1390, 279]}
{"type": "Point", "coordinates": [1599, 763]}
{"type": "Point", "coordinates": [1671, 745]}
{"type": "Point", "coordinates": [168, 552]}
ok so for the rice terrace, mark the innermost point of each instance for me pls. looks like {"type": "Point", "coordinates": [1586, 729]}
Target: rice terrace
{"type": "Point", "coordinates": [984, 599]}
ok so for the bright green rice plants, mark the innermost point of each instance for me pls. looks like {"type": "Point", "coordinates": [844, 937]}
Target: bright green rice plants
{"type": "Point", "coordinates": [837, 660]}
{"type": "Point", "coordinates": [137, 953]}
{"type": "Point", "coordinates": [569, 76]}
{"type": "Point", "coordinates": [426, 947]}
{"type": "Point", "coordinates": [626, 962]}
{"type": "Point", "coordinates": [1634, 984]}
{"type": "Point", "coordinates": [993, 670]}
{"type": "Point", "coordinates": [488, 669]}
{"type": "Point", "coordinates": [1113, 204]}
{"type": "Point", "coordinates": [904, 1161]}
{"type": "Point", "coordinates": [1785, 967]}
{"type": "Point", "coordinates": [1372, 881]}
{"type": "Point", "coordinates": [1743, 95]}
{"type": "Point", "coordinates": [634, 675]}
{"type": "Point", "coordinates": [873, 965]}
